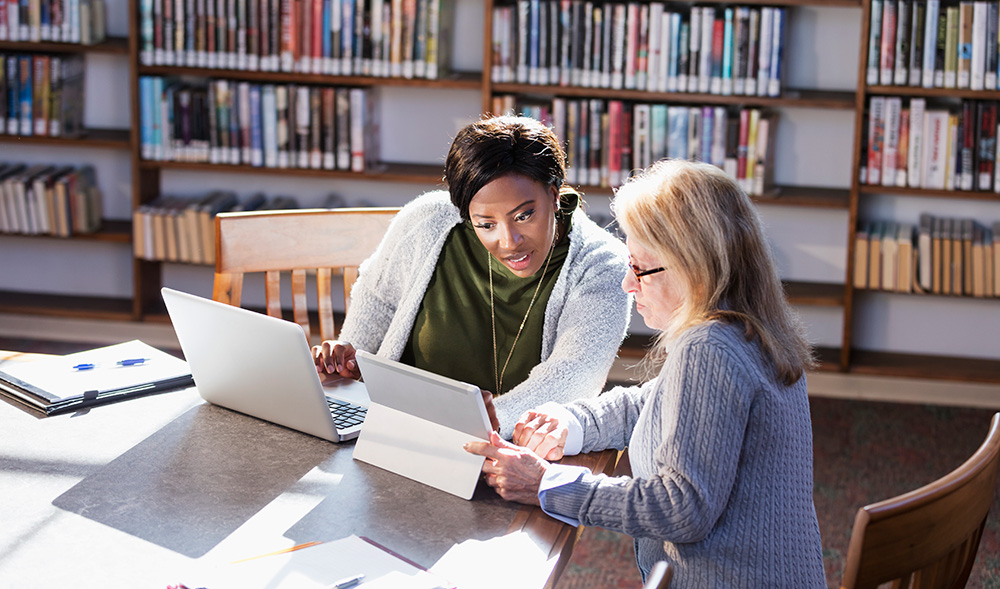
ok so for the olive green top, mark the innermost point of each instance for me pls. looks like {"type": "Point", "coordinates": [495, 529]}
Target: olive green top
{"type": "Point", "coordinates": [452, 334]}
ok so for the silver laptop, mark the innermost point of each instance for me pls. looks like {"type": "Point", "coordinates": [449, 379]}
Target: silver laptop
{"type": "Point", "coordinates": [262, 366]}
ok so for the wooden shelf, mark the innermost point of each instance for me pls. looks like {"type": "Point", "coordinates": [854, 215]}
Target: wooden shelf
{"type": "Point", "coordinates": [819, 294]}
{"type": "Point", "coordinates": [806, 196]}
{"type": "Point", "coordinates": [114, 45]}
{"type": "Point", "coordinates": [112, 231]}
{"type": "Point", "coordinates": [79, 307]}
{"type": "Point", "coordinates": [794, 196]}
{"type": "Point", "coordinates": [456, 80]}
{"type": "Point", "coordinates": [792, 98]}
{"type": "Point", "coordinates": [930, 193]}
{"type": "Point", "coordinates": [388, 172]}
{"type": "Point", "coordinates": [925, 366]}
{"type": "Point", "coordinates": [103, 138]}
{"type": "Point", "coordinates": [925, 295]}
{"type": "Point", "coordinates": [918, 91]}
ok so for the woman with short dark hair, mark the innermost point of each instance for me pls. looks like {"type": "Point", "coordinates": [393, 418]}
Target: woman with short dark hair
{"type": "Point", "coordinates": [502, 282]}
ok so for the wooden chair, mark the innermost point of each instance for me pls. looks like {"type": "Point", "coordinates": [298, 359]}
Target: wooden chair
{"type": "Point", "coordinates": [659, 577]}
{"type": "Point", "coordinates": [296, 242]}
{"type": "Point", "coordinates": [926, 538]}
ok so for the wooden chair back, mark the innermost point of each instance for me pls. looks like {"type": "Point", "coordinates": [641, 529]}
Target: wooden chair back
{"type": "Point", "coordinates": [659, 577]}
{"type": "Point", "coordinates": [927, 538]}
{"type": "Point", "coordinates": [296, 242]}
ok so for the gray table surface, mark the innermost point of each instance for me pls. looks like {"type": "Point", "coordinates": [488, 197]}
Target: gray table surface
{"type": "Point", "coordinates": [135, 493]}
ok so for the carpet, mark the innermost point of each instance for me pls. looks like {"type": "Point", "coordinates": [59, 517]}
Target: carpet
{"type": "Point", "coordinates": [864, 452]}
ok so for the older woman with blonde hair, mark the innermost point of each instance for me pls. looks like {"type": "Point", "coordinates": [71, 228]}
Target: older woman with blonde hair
{"type": "Point", "coordinates": [720, 442]}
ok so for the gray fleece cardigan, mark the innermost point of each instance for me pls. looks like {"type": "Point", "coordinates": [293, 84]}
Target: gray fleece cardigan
{"type": "Point", "coordinates": [721, 457]}
{"type": "Point", "coordinates": [585, 319]}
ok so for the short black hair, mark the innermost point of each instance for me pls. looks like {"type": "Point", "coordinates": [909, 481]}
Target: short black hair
{"type": "Point", "coordinates": [494, 147]}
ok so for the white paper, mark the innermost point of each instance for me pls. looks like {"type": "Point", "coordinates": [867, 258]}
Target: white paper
{"type": "Point", "coordinates": [57, 376]}
{"type": "Point", "coordinates": [317, 566]}
{"type": "Point", "coordinates": [463, 564]}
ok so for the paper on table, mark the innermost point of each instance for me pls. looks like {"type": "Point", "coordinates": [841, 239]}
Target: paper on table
{"type": "Point", "coordinates": [313, 567]}
{"type": "Point", "coordinates": [56, 376]}
{"type": "Point", "coordinates": [463, 565]}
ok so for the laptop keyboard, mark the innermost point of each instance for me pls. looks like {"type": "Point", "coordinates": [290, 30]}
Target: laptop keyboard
{"type": "Point", "coordinates": [346, 414]}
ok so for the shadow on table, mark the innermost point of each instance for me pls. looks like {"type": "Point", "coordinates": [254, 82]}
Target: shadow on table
{"type": "Point", "coordinates": [195, 481]}
{"type": "Point", "coordinates": [412, 519]}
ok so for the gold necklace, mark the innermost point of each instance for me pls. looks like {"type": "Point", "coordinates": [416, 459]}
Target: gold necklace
{"type": "Point", "coordinates": [498, 375]}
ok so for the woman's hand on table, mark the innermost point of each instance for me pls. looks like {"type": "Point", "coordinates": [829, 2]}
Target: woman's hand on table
{"type": "Point", "coordinates": [334, 357]}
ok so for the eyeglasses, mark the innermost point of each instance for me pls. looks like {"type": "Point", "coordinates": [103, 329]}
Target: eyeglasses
{"type": "Point", "coordinates": [639, 272]}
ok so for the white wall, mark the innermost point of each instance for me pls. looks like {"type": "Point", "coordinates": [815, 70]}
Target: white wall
{"type": "Point", "coordinates": [813, 148]}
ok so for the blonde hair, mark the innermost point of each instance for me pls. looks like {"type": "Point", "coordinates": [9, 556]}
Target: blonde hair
{"type": "Point", "coordinates": [696, 220]}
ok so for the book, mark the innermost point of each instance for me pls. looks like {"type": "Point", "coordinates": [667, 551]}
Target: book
{"type": "Point", "coordinates": [924, 255]}
{"type": "Point", "coordinates": [932, 15]}
{"type": "Point", "coordinates": [874, 62]}
{"type": "Point", "coordinates": [905, 258]}
{"type": "Point", "coordinates": [861, 256]}
{"type": "Point", "coordinates": [935, 148]}
{"type": "Point", "coordinates": [887, 52]}
{"type": "Point", "coordinates": [60, 384]}
{"type": "Point", "coordinates": [875, 237]}
{"type": "Point", "coordinates": [876, 138]}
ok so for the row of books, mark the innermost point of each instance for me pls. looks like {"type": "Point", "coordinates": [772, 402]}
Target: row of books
{"type": "Point", "coordinates": [916, 145]}
{"type": "Point", "coordinates": [182, 229]}
{"type": "Point", "coordinates": [261, 125]}
{"type": "Point", "coordinates": [934, 44]}
{"type": "Point", "coordinates": [43, 199]}
{"type": "Point", "coordinates": [62, 21]}
{"type": "Point", "coordinates": [606, 139]}
{"type": "Point", "coordinates": [41, 95]}
{"type": "Point", "coordinates": [941, 255]}
{"type": "Point", "coordinates": [398, 38]}
{"type": "Point", "coordinates": [652, 46]}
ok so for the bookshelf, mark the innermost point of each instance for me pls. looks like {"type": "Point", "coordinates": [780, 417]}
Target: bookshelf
{"type": "Point", "coordinates": [831, 202]}
{"type": "Point", "coordinates": [869, 200]}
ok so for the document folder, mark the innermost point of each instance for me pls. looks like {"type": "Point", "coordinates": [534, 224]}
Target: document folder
{"type": "Point", "coordinates": [59, 384]}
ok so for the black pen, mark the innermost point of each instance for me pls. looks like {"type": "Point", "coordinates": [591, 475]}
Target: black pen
{"type": "Point", "coordinates": [348, 582]}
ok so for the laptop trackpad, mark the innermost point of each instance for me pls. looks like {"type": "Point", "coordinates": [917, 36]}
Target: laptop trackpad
{"type": "Point", "coordinates": [345, 389]}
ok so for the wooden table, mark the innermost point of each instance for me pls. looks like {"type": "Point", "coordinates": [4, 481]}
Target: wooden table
{"type": "Point", "coordinates": [134, 494]}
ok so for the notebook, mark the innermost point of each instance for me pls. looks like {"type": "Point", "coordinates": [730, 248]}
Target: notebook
{"type": "Point", "coordinates": [417, 425]}
{"type": "Point", "coordinates": [262, 366]}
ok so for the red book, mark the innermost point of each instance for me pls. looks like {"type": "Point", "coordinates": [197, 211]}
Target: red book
{"type": "Point", "coordinates": [304, 18]}
{"type": "Point", "coordinates": [742, 146]}
{"type": "Point", "coordinates": [616, 110]}
{"type": "Point", "coordinates": [317, 37]}
{"type": "Point", "coordinates": [718, 46]}
{"type": "Point", "coordinates": [987, 144]}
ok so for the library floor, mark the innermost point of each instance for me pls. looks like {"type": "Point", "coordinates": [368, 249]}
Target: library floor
{"type": "Point", "coordinates": [873, 438]}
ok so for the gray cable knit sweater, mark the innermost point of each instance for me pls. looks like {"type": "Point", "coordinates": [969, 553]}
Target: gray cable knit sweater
{"type": "Point", "coordinates": [585, 318]}
{"type": "Point", "coordinates": [721, 456]}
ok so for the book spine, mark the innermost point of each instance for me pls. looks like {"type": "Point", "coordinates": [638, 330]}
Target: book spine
{"type": "Point", "coordinates": [930, 41]}
{"type": "Point", "coordinates": [917, 43]}
{"type": "Point", "coordinates": [902, 53]}
{"type": "Point", "coordinates": [893, 108]}
{"type": "Point", "coordinates": [887, 51]}
{"type": "Point", "coordinates": [876, 129]}
{"type": "Point", "coordinates": [874, 43]}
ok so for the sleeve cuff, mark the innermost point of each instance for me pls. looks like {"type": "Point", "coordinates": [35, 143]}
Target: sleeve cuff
{"type": "Point", "coordinates": [557, 482]}
{"type": "Point", "coordinates": [574, 440]}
